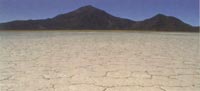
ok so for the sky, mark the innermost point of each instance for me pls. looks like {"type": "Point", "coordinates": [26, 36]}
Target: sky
{"type": "Point", "coordinates": [186, 10]}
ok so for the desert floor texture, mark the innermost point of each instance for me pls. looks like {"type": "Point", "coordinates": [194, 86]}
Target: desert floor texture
{"type": "Point", "coordinates": [99, 61]}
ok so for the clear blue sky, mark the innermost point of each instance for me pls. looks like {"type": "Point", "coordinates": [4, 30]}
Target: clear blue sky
{"type": "Point", "coordinates": [186, 10]}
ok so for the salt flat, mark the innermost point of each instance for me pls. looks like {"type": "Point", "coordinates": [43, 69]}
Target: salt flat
{"type": "Point", "coordinates": [99, 61]}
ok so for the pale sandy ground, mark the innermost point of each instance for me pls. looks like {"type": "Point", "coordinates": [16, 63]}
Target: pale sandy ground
{"type": "Point", "coordinates": [99, 61]}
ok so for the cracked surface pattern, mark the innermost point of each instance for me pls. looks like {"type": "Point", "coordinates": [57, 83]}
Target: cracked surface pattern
{"type": "Point", "coordinates": [99, 61]}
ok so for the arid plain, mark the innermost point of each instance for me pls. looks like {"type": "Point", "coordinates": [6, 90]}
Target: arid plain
{"type": "Point", "coordinates": [99, 61]}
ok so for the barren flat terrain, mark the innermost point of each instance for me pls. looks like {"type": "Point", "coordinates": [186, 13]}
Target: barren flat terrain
{"type": "Point", "coordinates": [99, 61]}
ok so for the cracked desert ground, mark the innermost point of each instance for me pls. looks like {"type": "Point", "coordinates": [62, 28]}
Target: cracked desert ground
{"type": "Point", "coordinates": [99, 61]}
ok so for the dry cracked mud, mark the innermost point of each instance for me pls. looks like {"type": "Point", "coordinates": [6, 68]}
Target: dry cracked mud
{"type": "Point", "coordinates": [99, 61]}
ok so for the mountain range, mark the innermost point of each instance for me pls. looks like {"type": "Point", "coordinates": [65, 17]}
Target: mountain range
{"type": "Point", "coordinates": [91, 18]}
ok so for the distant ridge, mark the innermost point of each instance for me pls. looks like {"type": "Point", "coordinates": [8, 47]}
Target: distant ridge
{"type": "Point", "coordinates": [91, 18]}
{"type": "Point", "coordinates": [162, 22]}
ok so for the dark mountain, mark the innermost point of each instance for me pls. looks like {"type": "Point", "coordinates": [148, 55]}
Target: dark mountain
{"type": "Point", "coordinates": [162, 22]}
{"type": "Point", "coordinates": [89, 17]}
